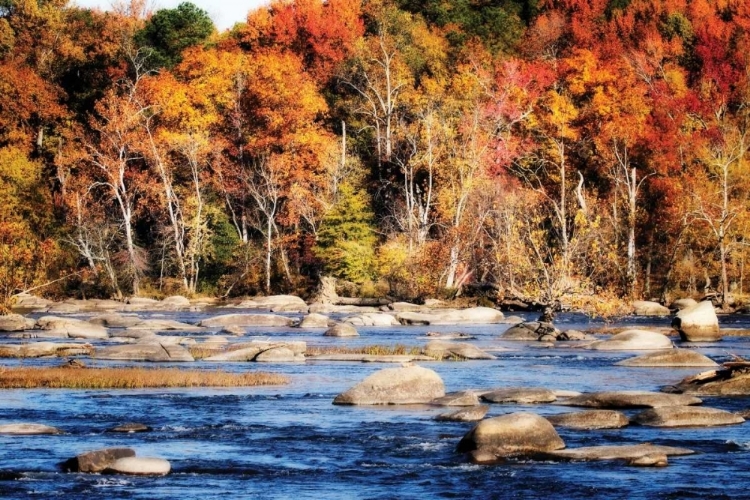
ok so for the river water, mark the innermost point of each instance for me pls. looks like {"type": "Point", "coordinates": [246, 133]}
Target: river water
{"type": "Point", "coordinates": [291, 442]}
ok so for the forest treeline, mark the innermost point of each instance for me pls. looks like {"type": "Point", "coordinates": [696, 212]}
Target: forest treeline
{"type": "Point", "coordinates": [541, 149]}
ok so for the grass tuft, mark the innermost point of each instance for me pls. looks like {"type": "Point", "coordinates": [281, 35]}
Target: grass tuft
{"type": "Point", "coordinates": [129, 378]}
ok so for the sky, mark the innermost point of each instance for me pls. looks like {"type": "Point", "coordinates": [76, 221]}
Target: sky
{"type": "Point", "coordinates": [224, 13]}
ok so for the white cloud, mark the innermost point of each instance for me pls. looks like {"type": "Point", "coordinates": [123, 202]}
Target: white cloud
{"type": "Point", "coordinates": [224, 14]}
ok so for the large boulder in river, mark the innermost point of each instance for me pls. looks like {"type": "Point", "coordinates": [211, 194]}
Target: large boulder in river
{"type": "Point", "coordinates": [403, 385]}
{"type": "Point", "coordinates": [341, 330]}
{"type": "Point", "coordinates": [257, 320]}
{"type": "Point", "coordinates": [672, 357]}
{"type": "Point", "coordinates": [633, 340]}
{"type": "Point", "coordinates": [648, 308]}
{"type": "Point", "coordinates": [470, 414]}
{"type": "Point", "coordinates": [471, 316]}
{"type": "Point", "coordinates": [686, 416]}
{"type": "Point", "coordinates": [314, 320]}
{"type": "Point", "coordinates": [139, 466]}
{"type": "Point", "coordinates": [510, 435]}
{"type": "Point", "coordinates": [280, 354]}
{"type": "Point", "coordinates": [590, 420]}
{"type": "Point", "coordinates": [150, 350]}
{"type": "Point", "coordinates": [629, 399]}
{"type": "Point", "coordinates": [372, 319]}
{"type": "Point", "coordinates": [43, 349]}
{"type": "Point", "coordinates": [72, 328]}
{"type": "Point", "coordinates": [698, 323]}
{"type": "Point", "coordinates": [440, 350]}
{"type": "Point", "coordinates": [462, 398]}
{"type": "Point", "coordinates": [96, 460]}
{"type": "Point", "coordinates": [28, 429]}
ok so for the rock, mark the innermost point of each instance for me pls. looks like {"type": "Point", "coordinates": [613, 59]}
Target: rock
{"type": "Point", "coordinates": [698, 323]}
{"type": "Point", "coordinates": [648, 308]}
{"type": "Point", "coordinates": [96, 460]}
{"type": "Point", "coordinates": [632, 340]}
{"type": "Point", "coordinates": [115, 320]}
{"type": "Point", "coordinates": [141, 303]}
{"type": "Point", "coordinates": [439, 350]}
{"type": "Point", "coordinates": [28, 429]}
{"type": "Point", "coordinates": [405, 307]}
{"type": "Point", "coordinates": [650, 460]}
{"type": "Point", "coordinates": [673, 357]}
{"type": "Point", "coordinates": [371, 358]}
{"type": "Point", "coordinates": [64, 308]}
{"type": "Point", "coordinates": [575, 335]}
{"type": "Point", "coordinates": [722, 382]}
{"type": "Point", "coordinates": [72, 328]}
{"type": "Point", "coordinates": [463, 398]}
{"type": "Point", "coordinates": [31, 302]}
{"type": "Point", "coordinates": [529, 331]}
{"type": "Point", "coordinates": [314, 320]}
{"type": "Point", "coordinates": [175, 302]}
{"type": "Point", "coordinates": [472, 414]}
{"type": "Point", "coordinates": [449, 336]}
{"type": "Point", "coordinates": [15, 323]}
{"type": "Point", "coordinates": [686, 416]}
{"type": "Point", "coordinates": [265, 320]}
{"type": "Point", "coordinates": [624, 452]}
{"type": "Point", "coordinates": [139, 466]}
{"type": "Point", "coordinates": [629, 399]}
{"type": "Point", "coordinates": [523, 395]}
{"type": "Point", "coordinates": [164, 325]}
{"type": "Point", "coordinates": [471, 316]}
{"type": "Point", "coordinates": [371, 319]}
{"type": "Point", "coordinates": [681, 304]}
{"type": "Point", "coordinates": [237, 331]}
{"type": "Point", "coordinates": [276, 303]}
{"type": "Point", "coordinates": [512, 434]}
{"type": "Point", "coordinates": [341, 330]}
{"type": "Point", "coordinates": [41, 349]}
{"type": "Point", "coordinates": [151, 350]}
{"type": "Point", "coordinates": [131, 427]}
{"type": "Point", "coordinates": [590, 420]}
{"type": "Point", "coordinates": [278, 355]}
{"type": "Point", "coordinates": [403, 385]}
{"type": "Point", "coordinates": [245, 354]}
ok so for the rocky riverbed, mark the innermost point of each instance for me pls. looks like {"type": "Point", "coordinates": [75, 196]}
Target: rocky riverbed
{"type": "Point", "coordinates": [593, 414]}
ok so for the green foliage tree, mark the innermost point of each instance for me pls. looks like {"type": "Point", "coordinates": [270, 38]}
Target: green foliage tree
{"type": "Point", "coordinates": [346, 240]}
{"type": "Point", "coordinates": [170, 31]}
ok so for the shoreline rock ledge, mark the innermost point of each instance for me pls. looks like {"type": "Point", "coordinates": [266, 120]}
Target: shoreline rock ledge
{"type": "Point", "coordinates": [408, 384]}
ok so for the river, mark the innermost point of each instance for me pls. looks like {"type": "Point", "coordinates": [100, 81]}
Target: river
{"type": "Point", "coordinates": [292, 442]}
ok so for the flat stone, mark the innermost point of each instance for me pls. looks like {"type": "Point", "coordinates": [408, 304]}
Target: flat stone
{"type": "Point", "coordinates": [277, 355]}
{"type": "Point", "coordinates": [648, 308]}
{"type": "Point", "coordinates": [590, 420]}
{"type": "Point", "coordinates": [314, 320]}
{"type": "Point", "coordinates": [115, 320]}
{"type": "Point", "coordinates": [633, 340]}
{"type": "Point", "coordinates": [687, 416]}
{"type": "Point", "coordinates": [371, 358]}
{"type": "Point", "coordinates": [238, 355]}
{"type": "Point", "coordinates": [629, 399]}
{"type": "Point", "coordinates": [720, 382]}
{"type": "Point", "coordinates": [624, 452]}
{"type": "Point", "coordinates": [275, 303]}
{"type": "Point", "coordinates": [148, 351]}
{"type": "Point", "coordinates": [371, 319]}
{"type": "Point", "coordinates": [265, 320]}
{"type": "Point", "coordinates": [529, 331]}
{"type": "Point", "coordinates": [131, 427]}
{"type": "Point", "coordinates": [650, 460]}
{"type": "Point", "coordinates": [139, 466]}
{"type": "Point", "coordinates": [462, 398]}
{"type": "Point", "coordinates": [440, 349]}
{"type": "Point", "coordinates": [672, 357]}
{"type": "Point", "coordinates": [15, 323]}
{"type": "Point", "coordinates": [522, 395]}
{"type": "Point", "coordinates": [341, 330]}
{"type": "Point", "coordinates": [474, 315]}
{"type": "Point", "coordinates": [470, 414]}
{"type": "Point", "coordinates": [403, 385]}
{"type": "Point", "coordinates": [28, 429]}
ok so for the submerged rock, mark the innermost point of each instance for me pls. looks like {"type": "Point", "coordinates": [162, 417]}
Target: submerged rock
{"type": "Point", "coordinates": [624, 452]}
{"type": "Point", "coordinates": [531, 331]}
{"type": "Point", "coordinates": [590, 420]}
{"type": "Point", "coordinates": [523, 395]}
{"type": "Point", "coordinates": [139, 466]}
{"type": "Point", "coordinates": [276, 303]}
{"type": "Point", "coordinates": [440, 350]}
{"type": "Point", "coordinates": [471, 414]}
{"type": "Point", "coordinates": [673, 357]}
{"type": "Point", "coordinates": [462, 398]}
{"type": "Point", "coordinates": [267, 320]}
{"type": "Point", "coordinates": [131, 427]}
{"type": "Point", "coordinates": [473, 315]}
{"type": "Point", "coordinates": [280, 354]}
{"type": "Point", "coordinates": [633, 340]}
{"type": "Point", "coordinates": [511, 435]}
{"type": "Point", "coordinates": [629, 399]}
{"type": "Point", "coordinates": [698, 323]}
{"type": "Point", "coordinates": [686, 416]}
{"type": "Point", "coordinates": [403, 385]}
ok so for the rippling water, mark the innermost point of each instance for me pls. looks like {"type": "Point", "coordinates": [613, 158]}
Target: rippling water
{"type": "Point", "coordinates": [291, 442]}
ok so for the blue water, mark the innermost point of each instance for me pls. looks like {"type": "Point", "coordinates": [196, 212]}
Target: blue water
{"type": "Point", "coordinates": [291, 442]}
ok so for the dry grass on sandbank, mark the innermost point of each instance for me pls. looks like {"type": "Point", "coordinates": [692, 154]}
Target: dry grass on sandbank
{"type": "Point", "coordinates": [370, 350]}
{"type": "Point", "coordinates": [129, 378]}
